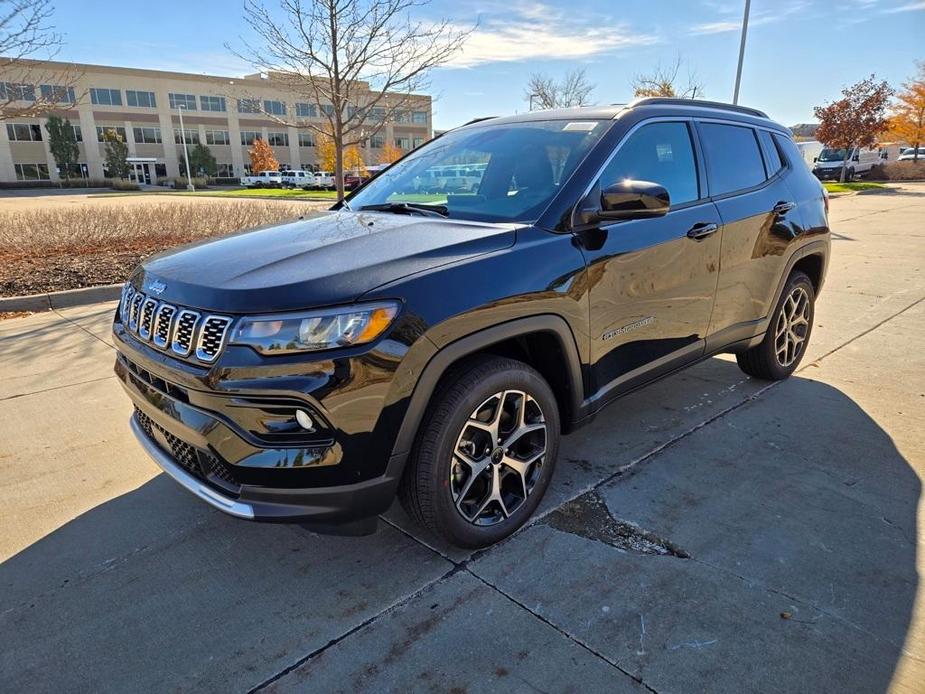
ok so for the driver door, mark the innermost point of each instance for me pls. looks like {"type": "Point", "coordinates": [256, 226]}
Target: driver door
{"type": "Point", "coordinates": [652, 281]}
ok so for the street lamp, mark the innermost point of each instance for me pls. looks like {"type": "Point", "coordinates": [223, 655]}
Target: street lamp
{"type": "Point", "coordinates": [189, 177]}
{"type": "Point", "coordinates": [735, 95]}
{"type": "Point", "coordinates": [532, 97]}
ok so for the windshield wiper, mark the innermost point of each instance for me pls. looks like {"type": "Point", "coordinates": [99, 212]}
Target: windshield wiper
{"type": "Point", "coordinates": [409, 208]}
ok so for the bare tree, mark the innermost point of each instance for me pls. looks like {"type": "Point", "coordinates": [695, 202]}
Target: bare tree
{"type": "Point", "coordinates": [545, 92]}
{"type": "Point", "coordinates": [26, 37]}
{"type": "Point", "coordinates": [324, 50]}
{"type": "Point", "coordinates": [663, 81]}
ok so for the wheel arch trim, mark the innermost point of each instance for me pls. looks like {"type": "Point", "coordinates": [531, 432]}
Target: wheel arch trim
{"type": "Point", "coordinates": [472, 343]}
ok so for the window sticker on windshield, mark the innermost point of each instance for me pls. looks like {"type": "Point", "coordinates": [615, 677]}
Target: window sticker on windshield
{"type": "Point", "coordinates": [583, 126]}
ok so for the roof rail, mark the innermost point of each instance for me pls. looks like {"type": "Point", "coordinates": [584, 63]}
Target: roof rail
{"type": "Point", "coordinates": [700, 103]}
{"type": "Point", "coordinates": [476, 120]}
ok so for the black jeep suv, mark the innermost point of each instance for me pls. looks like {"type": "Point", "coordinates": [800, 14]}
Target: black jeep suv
{"type": "Point", "coordinates": [435, 334]}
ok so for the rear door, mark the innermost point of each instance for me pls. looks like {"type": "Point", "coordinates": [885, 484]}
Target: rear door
{"type": "Point", "coordinates": [652, 281]}
{"type": "Point", "coordinates": [760, 220]}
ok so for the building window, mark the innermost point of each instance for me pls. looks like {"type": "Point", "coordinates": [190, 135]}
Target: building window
{"type": "Point", "coordinates": [78, 134]}
{"type": "Point", "coordinates": [147, 136]}
{"type": "Point", "coordinates": [224, 169]}
{"type": "Point", "coordinates": [274, 108]}
{"type": "Point", "coordinates": [377, 142]}
{"type": "Point", "coordinates": [140, 99]}
{"type": "Point", "coordinates": [306, 110]}
{"type": "Point", "coordinates": [192, 136]}
{"type": "Point", "coordinates": [278, 139]}
{"type": "Point", "coordinates": [24, 132]}
{"type": "Point", "coordinates": [419, 117]}
{"type": "Point", "coordinates": [403, 142]}
{"type": "Point", "coordinates": [212, 103]}
{"type": "Point", "coordinates": [217, 137]}
{"type": "Point", "coordinates": [248, 137]}
{"type": "Point", "coordinates": [248, 106]}
{"type": "Point", "coordinates": [13, 91]}
{"type": "Point", "coordinates": [101, 131]}
{"type": "Point", "coordinates": [377, 114]}
{"type": "Point", "coordinates": [187, 101]}
{"type": "Point", "coordinates": [306, 140]}
{"type": "Point", "coordinates": [32, 172]}
{"type": "Point", "coordinates": [58, 94]}
{"type": "Point", "coordinates": [105, 97]}
{"type": "Point", "coordinates": [401, 117]}
{"type": "Point", "coordinates": [418, 141]}
{"type": "Point", "coordinates": [327, 109]}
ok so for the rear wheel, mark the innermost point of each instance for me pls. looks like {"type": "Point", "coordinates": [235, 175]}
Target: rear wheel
{"type": "Point", "coordinates": [485, 453]}
{"type": "Point", "coordinates": [785, 340]}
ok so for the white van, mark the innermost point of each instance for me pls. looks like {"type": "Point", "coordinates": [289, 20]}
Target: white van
{"type": "Point", "coordinates": [909, 154]}
{"type": "Point", "coordinates": [828, 164]}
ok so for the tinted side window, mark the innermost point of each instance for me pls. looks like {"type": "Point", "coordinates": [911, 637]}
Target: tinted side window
{"type": "Point", "coordinates": [789, 150]}
{"type": "Point", "coordinates": [659, 153]}
{"type": "Point", "coordinates": [733, 158]}
{"type": "Point", "coordinates": [772, 156]}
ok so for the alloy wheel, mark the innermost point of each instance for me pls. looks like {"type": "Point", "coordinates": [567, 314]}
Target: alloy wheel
{"type": "Point", "coordinates": [792, 327]}
{"type": "Point", "coordinates": [498, 457]}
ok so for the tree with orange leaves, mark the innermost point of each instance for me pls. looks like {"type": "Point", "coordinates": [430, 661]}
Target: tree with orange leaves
{"type": "Point", "coordinates": [262, 157]}
{"type": "Point", "coordinates": [907, 122]}
{"type": "Point", "coordinates": [390, 153]}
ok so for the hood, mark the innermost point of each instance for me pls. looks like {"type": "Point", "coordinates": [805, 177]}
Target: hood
{"type": "Point", "coordinates": [332, 259]}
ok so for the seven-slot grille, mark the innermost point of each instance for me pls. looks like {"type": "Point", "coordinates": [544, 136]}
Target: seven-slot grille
{"type": "Point", "coordinates": [179, 330]}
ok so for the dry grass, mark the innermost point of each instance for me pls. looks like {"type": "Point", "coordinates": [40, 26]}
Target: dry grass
{"type": "Point", "coordinates": [64, 248]}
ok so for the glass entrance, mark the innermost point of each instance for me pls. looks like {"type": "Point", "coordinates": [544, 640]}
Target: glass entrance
{"type": "Point", "coordinates": [141, 173]}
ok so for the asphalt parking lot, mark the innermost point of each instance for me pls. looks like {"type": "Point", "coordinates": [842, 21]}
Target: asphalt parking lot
{"type": "Point", "coordinates": [710, 533]}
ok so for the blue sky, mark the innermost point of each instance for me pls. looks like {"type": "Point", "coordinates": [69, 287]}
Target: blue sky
{"type": "Point", "coordinates": [800, 52]}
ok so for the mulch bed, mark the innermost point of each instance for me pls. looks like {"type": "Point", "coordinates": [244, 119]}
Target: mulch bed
{"type": "Point", "coordinates": [51, 273]}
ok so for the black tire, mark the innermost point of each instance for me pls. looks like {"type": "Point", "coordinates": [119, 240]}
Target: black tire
{"type": "Point", "coordinates": [766, 360]}
{"type": "Point", "coordinates": [849, 176]}
{"type": "Point", "coordinates": [426, 491]}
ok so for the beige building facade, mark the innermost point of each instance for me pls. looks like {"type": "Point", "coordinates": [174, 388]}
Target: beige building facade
{"type": "Point", "coordinates": [143, 106]}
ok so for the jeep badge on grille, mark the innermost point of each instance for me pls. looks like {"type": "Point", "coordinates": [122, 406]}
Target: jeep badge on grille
{"type": "Point", "coordinates": [157, 287]}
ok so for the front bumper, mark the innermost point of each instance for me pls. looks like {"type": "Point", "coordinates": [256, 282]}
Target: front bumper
{"type": "Point", "coordinates": [828, 174]}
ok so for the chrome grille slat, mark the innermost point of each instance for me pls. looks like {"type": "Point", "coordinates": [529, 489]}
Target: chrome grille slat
{"type": "Point", "coordinates": [184, 330]}
{"type": "Point", "coordinates": [134, 310]}
{"type": "Point", "coordinates": [212, 337]}
{"type": "Point", "coordinates": [163, 320]}
{"type": "Point", "coordinates": [128, 291]}
{"type": "Point", "coordinates": [146, 322]}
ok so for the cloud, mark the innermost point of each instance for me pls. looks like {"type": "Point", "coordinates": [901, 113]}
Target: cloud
{"type": "Point", "coordinates": [909, 7]}
{"type": "Point", "coordinates": [537, 31]}
{"type": "Point", "coordinates": [756, 19]}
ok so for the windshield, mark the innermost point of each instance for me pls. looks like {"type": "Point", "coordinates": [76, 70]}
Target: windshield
{"type": "Point", "coordinates": [832, 155]}
{"type": "Point", "coordinates": [491, 173]}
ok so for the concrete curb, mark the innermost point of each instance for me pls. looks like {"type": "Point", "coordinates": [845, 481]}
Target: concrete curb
{"type": "Point", "coordinates": [65, 299]}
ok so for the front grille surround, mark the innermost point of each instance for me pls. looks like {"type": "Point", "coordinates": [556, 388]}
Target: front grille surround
{"type": "Point", "coordinates": [184, 329]}
{"type": "Point", "coordinates": [212, 337]}
{"type": "Point", "coordinates": [180, 331]}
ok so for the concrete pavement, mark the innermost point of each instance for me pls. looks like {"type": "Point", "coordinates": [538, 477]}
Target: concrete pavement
{"type": "Point", "coordinates": [709, 533]}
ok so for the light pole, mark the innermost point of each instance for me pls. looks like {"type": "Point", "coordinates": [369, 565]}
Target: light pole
{"type": "Point", "coordinates": [532, 97]}
{"type": "Point", "coordinates": [189, 177]}
{"type": "Point", "coordinates": [735, 95]}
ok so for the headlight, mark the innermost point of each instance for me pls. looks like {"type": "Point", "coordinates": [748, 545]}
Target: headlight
{"type": "Point", "coordinates": [315, 330]}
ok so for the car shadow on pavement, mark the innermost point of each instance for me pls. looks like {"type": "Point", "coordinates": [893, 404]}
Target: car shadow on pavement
{"type": "Point", "coordinates": [798, 500]}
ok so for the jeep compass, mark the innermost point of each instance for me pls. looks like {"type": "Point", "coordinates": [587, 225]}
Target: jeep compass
{"type": "Point", "coordinates": [435, 334]}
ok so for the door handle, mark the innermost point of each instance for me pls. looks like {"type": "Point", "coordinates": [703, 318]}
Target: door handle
{"type": "Point", "coordinates": [784, 207]}
{"type": "Point", "coordinates": [702, 230]}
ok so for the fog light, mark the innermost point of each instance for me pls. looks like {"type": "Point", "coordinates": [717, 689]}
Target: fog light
{"type": "Point", "coordinates": [304, 420]}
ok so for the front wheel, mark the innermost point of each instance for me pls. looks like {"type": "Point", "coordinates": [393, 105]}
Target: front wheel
{"type": "Point", "coordinates": [785, 340]}
{"type": "Point", "coordinates": [485, 453]}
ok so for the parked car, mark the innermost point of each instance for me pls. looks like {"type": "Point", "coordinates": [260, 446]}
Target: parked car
{"type": "Point", "coordinates": [265, 179]}
{"type": "Point", "coordinates": [296, 178]}
{"type": "Point", "coordinates": [438, 350]}
{"type": "Point", "coordinates": [860, 161]}
{"type": "Point", "coordinates": [910, 154]}
{"type": "Point", "coordinates": [324, 180]}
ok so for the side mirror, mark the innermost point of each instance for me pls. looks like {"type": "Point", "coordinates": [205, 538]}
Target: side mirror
{"type": "Point", "coordinates": [815, 159]}
{"type": "Point", "coordinates": [856, 157]}
{"type": "Point", "coordinates": [633, 200]}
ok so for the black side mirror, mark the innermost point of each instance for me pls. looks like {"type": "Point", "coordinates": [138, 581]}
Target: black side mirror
{"type": "Point", "coordinates": [856, 157]}
{"type": "Point", "coordinates": [815, 159]}
{"type": "Point", "coordinates": [633, 200]}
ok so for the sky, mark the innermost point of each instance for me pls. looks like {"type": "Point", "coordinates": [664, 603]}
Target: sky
{"type": "Point", "coordinates": [800, 53]}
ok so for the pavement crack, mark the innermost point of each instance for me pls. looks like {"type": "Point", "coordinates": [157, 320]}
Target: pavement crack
{"type": "Point", "coordinates": [588, 516]}
{"type": "Point", "coordinates": [571, 637]}
{"type": "Point", "coordinates": [46, 390]}
{"type": "Point", "coordinates": [78, 325]}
